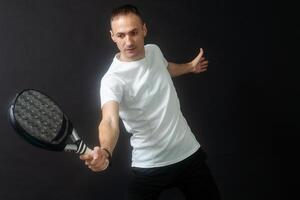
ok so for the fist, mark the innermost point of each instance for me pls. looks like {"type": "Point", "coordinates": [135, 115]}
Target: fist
{"type": "Point", "coordinates": [96, 160]}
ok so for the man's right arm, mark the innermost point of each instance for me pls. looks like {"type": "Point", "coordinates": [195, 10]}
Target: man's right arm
{"type": "Point", "coordinates": [108, 128]}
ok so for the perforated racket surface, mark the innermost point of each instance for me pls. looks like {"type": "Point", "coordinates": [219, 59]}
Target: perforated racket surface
{"type": "Point", "coordinates": [40, 121]}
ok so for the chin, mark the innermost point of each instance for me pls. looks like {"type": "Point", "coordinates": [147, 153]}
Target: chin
{"type": "Point", "coordinates": [132, 56]}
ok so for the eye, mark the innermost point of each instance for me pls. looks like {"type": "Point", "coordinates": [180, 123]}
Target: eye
{"type": "Point", "coordinates": [133, 33]}
{"type": "Point", "coordinates": [120, 35]}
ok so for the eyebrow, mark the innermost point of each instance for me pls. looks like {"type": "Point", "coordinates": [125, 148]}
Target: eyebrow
{"type": "Point", "coordinates": [135, 29]}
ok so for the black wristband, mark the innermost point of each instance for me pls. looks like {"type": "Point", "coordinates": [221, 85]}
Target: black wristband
{"type": "Point", "coordinates": [109, 156]}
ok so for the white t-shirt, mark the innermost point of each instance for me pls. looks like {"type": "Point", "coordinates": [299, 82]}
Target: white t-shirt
{"type": "Point", "coordinates": [150, 109]}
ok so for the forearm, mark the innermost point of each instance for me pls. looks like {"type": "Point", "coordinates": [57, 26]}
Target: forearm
{"type": "Point", "coordinates": [179, 69]}
{"type": "Point", "coordinates": [108, 135]}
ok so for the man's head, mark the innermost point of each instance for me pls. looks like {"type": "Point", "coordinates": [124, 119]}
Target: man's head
{"type": "Point", "coordinates": [128, 31]}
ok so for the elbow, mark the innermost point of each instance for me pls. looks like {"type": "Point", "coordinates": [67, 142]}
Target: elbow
{"type": "Point", "coordinates": [171, 71]}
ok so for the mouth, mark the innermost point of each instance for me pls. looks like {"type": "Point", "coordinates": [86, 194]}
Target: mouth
{"type": "Point", "coordinates": [130, 49]}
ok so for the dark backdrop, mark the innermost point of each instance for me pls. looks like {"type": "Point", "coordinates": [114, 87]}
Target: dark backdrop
{"type": "Point", "coordinates": [63, 47]}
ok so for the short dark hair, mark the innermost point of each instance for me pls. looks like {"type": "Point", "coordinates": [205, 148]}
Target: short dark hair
{"type": "Point", "coordinates": [125, 10]}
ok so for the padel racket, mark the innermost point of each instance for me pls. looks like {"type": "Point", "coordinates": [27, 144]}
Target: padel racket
{"type": "Point", "coordinates": [41, 122]}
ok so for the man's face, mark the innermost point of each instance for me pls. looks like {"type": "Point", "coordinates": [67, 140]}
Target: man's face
{"type": "Point", "coordinates": [128, 32]}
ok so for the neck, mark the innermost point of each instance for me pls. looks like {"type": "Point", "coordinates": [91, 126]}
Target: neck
{"type": "Point", "coordinates": [121, 57]}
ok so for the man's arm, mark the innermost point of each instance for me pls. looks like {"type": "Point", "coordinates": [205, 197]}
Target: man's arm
{"type": "Point", "coordinates": [109, 126]}
{"type": "Point", "coordinates": [108, 137]}
{"type": "Point", "coordinates": [197, 65]}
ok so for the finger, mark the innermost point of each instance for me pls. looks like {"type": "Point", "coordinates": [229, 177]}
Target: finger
{"type": "Point", "coordinates": [85, 157]}
{"type": "Point", "coordinates": [95, 169]}
{"type": "Point", "coordinates": [205, 62]}
{"type": "Point", "coordinates": [200, 68]}
{"type": "Point", "coordinates": [91, 167]}
{"type": "Point", "coordinates": [198, 57]}
{"type": "Point", "coordinates": [204, 66]}
{"type": "Point", "coordinates": [97, 149]}
{"type": "Point", "coordinates": [97, 156]}
{"type": "Point", "coordinates": [105, 166]}
{"type": "Point", "coordinates": [200, 53]}
{"type": "Point", "coordinates": [81, 158]}
{"type": "Point", "coordinates": [100, 167]}
{"type": "Point", "coordinates": [96, 153]}
{"type": "Point", "coordinates": [98, 160]}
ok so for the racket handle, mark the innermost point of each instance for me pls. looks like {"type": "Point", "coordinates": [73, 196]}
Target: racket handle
{"type": "Point", "coordinates": [82, 148]}
{"type": "Point", "coordinates": [87, 150]}
{"type": "Point", "coordinates": [78, 147]}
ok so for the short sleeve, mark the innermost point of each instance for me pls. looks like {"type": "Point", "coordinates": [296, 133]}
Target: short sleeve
{"type": "Point", "coordinates": [111, 89]}
{"type": "Point", "coordinates": [161, 56]}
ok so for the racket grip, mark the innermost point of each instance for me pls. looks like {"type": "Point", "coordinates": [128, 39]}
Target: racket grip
{"type": "Point", "coordinates": [87, 151]}
{"type": "Point", "coordinates": [82, 148]}
{"type": "Point", "coordinates": [78, 147]}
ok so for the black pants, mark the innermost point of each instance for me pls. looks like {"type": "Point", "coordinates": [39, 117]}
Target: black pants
{"type": "Point", "coordinates": [192, 176]}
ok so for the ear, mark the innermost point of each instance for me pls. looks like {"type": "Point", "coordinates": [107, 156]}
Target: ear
{"type": "Point", "coordinates": [112, 36]}
{"type": "Point", "coordinates": [145, 29]}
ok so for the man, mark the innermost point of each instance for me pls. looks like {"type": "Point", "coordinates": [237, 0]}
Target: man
{"type": "Point", "coordinates": [138, 88]}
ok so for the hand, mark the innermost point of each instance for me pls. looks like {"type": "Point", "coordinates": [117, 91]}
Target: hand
{"type": "Point", "coordinates": [96, 160]}
{"type": "Point", "coordinates": [199, 64]}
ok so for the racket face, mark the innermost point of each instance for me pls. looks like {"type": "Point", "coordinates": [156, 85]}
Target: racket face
{"type": "Point", "coordinates": [38, 118]}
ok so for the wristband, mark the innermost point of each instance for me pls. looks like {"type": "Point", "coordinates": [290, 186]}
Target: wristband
{"type": "Point", "coordinates": [109, 156]}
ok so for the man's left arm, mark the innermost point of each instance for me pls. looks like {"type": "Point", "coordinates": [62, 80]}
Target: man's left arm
{"type": "Point", "coordinates": [197, 65]}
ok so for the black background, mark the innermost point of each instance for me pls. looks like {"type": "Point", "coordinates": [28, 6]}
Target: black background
{"type": "Point", "coordinates": [237, 109]}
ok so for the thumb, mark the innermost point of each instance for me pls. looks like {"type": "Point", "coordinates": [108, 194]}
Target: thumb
{"type": "Point", "coordinates": [200, 53]}
{"type": "Point", "coordinates": [96, 152]}
{"type": "Point", "coordinates": [86, 157]}
{"type": "Point", "coordinates": [198, 57]}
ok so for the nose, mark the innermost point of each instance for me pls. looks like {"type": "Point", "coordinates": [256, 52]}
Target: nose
{"type": "Point", "coordinates": [129, 40]}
